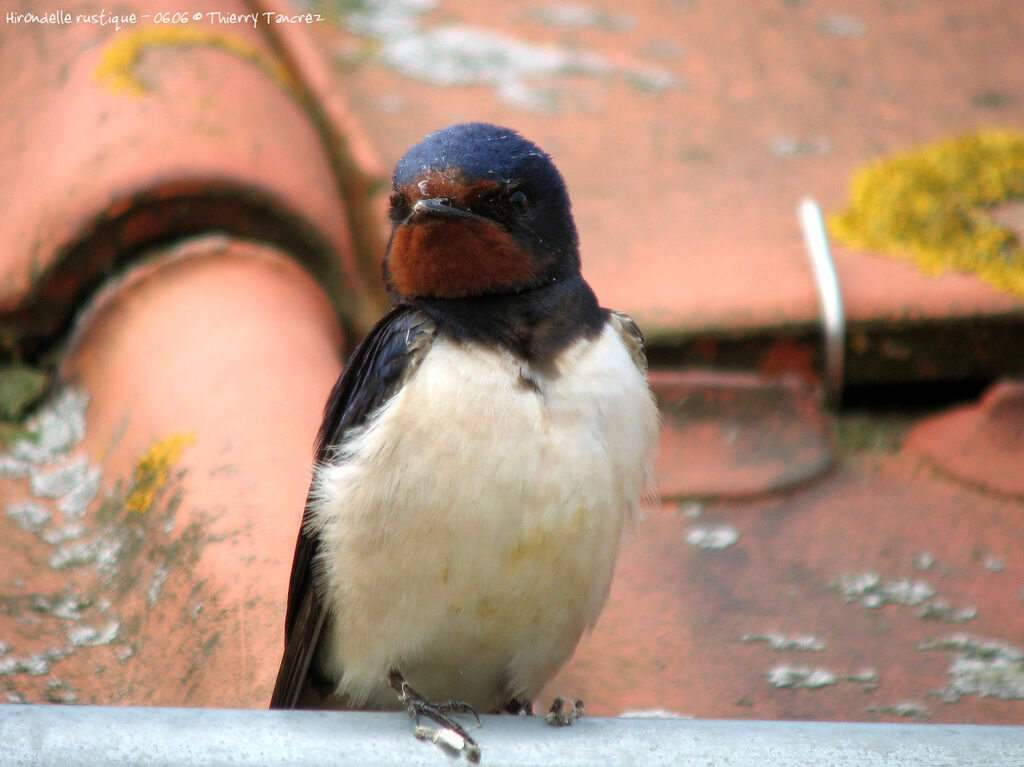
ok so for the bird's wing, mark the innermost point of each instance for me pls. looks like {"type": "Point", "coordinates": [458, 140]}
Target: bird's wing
{"type": "Point", "coordinates": [375, 371]}
{"type": "Point", "coordinates": [631, 337]}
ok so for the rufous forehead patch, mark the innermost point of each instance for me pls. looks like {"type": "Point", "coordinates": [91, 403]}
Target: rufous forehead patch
{"type": "Point", "coordinates": [450, 184]}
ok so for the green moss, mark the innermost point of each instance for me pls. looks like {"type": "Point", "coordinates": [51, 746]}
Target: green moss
{"type": "Point", "coordinates": [929, 205]}
{"type": "Point", "coordinates": [864, 432]}
{"type": "Point", "coordinates": [10, 433]}
{"type": "Point", "coordinates": [20, 388]}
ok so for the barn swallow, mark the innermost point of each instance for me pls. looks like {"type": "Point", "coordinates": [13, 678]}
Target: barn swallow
{"type": "Point", "coordinates": [478, 457]}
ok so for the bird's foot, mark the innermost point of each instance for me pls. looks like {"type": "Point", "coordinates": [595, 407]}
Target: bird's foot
{"type": "Point", "coordinates": [556, 717]}
{"type": "Point", "coordinates": [520, 707]}
{"type": "Point", "coordinates": [450, 735]}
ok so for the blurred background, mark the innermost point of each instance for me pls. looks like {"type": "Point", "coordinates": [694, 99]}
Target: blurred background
{"type": "Point", "coordinates": [192, 206]}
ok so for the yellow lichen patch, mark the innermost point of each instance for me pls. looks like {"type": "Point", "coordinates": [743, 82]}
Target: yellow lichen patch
{"type": "Point", "coordinates": [116, 68]}
{"type": "Point", "coordinates": [930, 205]}
{"type": "Point", "coordinates": [153, 468]}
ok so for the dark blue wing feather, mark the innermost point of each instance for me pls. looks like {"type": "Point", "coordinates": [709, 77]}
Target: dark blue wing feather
{"type": "Point", "coordinates": [374, 372]}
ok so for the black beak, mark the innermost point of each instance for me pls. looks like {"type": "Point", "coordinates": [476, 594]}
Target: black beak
{"type": "Point", "coordinates": [441, 207]}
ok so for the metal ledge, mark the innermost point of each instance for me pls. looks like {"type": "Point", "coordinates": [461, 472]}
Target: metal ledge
{"type": "Point", "coordinates": [66, 736]}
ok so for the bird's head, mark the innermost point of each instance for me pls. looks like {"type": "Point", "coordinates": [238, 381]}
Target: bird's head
{"type": "Point", "coordinates": [478, 210]}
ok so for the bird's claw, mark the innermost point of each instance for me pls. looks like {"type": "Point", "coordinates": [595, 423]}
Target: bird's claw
{"type": "Point", "coordinates": [450, 738]}
{"type": "Point", "coordinates": [450, 735]}
{"type": "Point", "coordinates": [556, 717]}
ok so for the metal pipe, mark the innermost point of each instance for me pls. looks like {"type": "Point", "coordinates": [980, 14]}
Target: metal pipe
{"type": "Point", "coordinates": [68, 736]}
{"type": "Point", "coordinates": [826, 280]}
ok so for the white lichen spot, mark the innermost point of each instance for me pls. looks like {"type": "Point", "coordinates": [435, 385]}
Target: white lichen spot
{"type": "Point", "coordinates": [75, 502]}
{"type": "Point", "coordinates": [14, 467]}
{"type": "Point", "coordinates": [983, 667]}
{"type": "Point", "coordinates": [44, 458]}
{"type": "Point", "coordinates": [579, 16]}
{"type": "Point", "coordinates": [907, 709]}
{"type": "Point", "coordinates": [4, 647]}
{"type": "Point", "coordinates": [55, 654]}
{"type": "Point", "coordinates": [460, 55]}
{"type": "Point", "coordinates": [941, 610]}
{"type": "Point", "coordinates": [908, 592]}
{"type": "Point", "coordinates": [89, 636]}
{"type": "Point", "coordinates": [386, 19]}
{"type": "Point", "coordinates": [654, 81]}
{"type": "Point", "coordinates": [692, 509]}
{"type": "Point", "coordinates": [102, 552]}
{"type": "Point", "coordinates": [74, 555]}
{"type": "Point", "coordinates": [523, 74]}
{"type": "Point", "coordinates": [56, 428]}
{"type": "Point", "coordinates": [35, 665]}
{"type": "Point", "coordinates": [529, 97]}
{"type": "Point", "coordinates": [109, 634]}
{"type": "Point", "coordinates": [15, 698]}
{"type": "Point", "coordinates": [924, 561]}
{"type": "Point", "coordinates": [872, 600]}
{"type": "Point", "coordinates": [786, 146]}
{"type": "Point", "coordinates": [69, 608]}
{"type": "Point", "coordinates": [124, 652]}
{"type": "Point", "coordinates": [999, 677]}
{"type": "Point", "coordinates": [160, 575]}
{"type": "Point", "coordinates": [800, 677]}
{"type": "Point", "coordinates": [866, 677]}
{"type": "Point", "coordinates": [61, 480]}
{"type": "Point", "coordinates": [800, 643]}
{"type": "Point", "coordinates": [68, 532]}
{"type": "Point", "coordinates": [712, 537]}
{"type": "Point", "coordinates": [58, 692]}
{"type": "Point", "coordinates": [855, 587]}
{"type": "Point", "coordinates": [30, 516]}
{"type": "Point", "coordinates": [870, 590]}
{"type": "Point", "coordinates": [993, 563]}
{"type": "Point", "coordinates": [82, 636]}
{"type": "Point", "coordinates": [108, 551]}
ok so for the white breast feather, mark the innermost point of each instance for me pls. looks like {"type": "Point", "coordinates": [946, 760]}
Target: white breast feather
{"type": "Point", "coordinates": [471, 529]}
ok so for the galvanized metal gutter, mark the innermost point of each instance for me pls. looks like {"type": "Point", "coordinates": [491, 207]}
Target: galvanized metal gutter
{"type": "Point", "coordinates": [67, 736]}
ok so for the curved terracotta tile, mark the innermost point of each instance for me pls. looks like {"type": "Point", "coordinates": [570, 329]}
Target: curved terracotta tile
{"type": "Point", "coordinates": [363, 176]}
{"type": "Point", "coordinates": [737, 434]}
{"type": "Point", "coordinates": [981, 444]}
{"type": "Point", "coordinates": [685, 162]}
{"type": "Point", "coordinates": [881, 592]}
{"type": "Point", "coordinates": [115, 139]}
{"type": "Point", "coordinates": [196, 384]}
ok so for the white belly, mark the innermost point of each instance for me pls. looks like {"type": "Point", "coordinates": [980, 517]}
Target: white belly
{"type": "Point", "coordinates": [471, 533]}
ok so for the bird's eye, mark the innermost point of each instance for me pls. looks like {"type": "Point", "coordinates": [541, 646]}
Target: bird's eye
{"type": "Point", "coordinates": [518, 201]}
